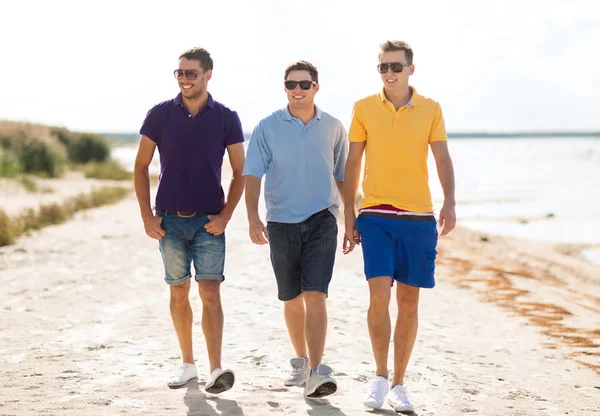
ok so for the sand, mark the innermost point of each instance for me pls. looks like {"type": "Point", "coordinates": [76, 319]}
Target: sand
{"type": "Point", "coordinates": [512, 328]}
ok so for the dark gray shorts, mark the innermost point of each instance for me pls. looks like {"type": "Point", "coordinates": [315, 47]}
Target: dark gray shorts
{"type": "Point", "coordinates": [303, 254]}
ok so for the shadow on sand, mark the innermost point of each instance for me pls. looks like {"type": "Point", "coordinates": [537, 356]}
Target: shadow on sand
{"type": "Point", "coordinates": [198, 403]}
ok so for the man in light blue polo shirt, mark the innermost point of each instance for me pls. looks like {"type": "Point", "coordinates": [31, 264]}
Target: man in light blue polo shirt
{"type": "Point", "coordinates": [302, 151]}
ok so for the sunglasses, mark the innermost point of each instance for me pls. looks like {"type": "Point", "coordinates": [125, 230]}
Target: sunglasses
{"type": "Point", "coordinates": [396, 67]}
{"type": "Point", "coordinates": [304, 85]}
{"type": "Point", "coordinates": [189, 74]}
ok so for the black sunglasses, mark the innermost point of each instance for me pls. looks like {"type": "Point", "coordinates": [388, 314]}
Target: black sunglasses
{"type": "Point", "coordinates": [305, 85]}
{"type": "Point", "coordinates": [396, 67]}
{"type": "Point", "coordinates": [189, 74]}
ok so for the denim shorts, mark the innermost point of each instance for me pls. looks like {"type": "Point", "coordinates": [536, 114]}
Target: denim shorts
{"type": "Point", "coordinates": [302, 254]}
{"type": "Point", "coordinates": [404, 249]}
{"type": "Point", "coordinates": [185, 242]}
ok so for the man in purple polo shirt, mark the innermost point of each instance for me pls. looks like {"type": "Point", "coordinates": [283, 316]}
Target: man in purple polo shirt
{"type": "Point", "coordinates": [192, 132]}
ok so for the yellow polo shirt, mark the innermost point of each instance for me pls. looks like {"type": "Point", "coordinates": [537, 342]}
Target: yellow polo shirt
{"type": "Point", "coordinates": [396, 149]}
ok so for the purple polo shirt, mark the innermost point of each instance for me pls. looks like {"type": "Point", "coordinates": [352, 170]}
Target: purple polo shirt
{"type": "Point", "coordinates": [191, 153]}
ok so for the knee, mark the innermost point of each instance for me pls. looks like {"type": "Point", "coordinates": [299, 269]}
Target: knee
{"type": "Point", "coordinates": [180, 293]}
{"type": "Point", "coordinates": [380, 299]}
{"type": "Point", "coordinates": [408, 306]}
{"type": "Point", "coordinates": [314, 298]}
{"type": "Point", "coordinates": [210, 292]}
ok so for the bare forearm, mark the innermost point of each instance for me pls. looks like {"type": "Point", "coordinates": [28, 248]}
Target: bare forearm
{"type": "Point", "coordinates": [252, 196]}
{"type": "Point", "coordinates": [234, 194]}
{"type": "Point", "coordinates": [445, 171]}
{"type": "Point", "coordinates": [340, 187]}
{"type": "Point", "coordinates": [141, 181]}
{"type": "Point", "coordinates": [350, 184]}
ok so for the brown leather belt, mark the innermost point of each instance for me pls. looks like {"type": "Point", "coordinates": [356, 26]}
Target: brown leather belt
{"type": "Point", "coordinates": [180, 213]}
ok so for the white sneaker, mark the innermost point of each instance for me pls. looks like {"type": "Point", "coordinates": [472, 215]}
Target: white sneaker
{"type": "Point", "coordinates": [220, 381]}
{"type": "Point", "coordinates": [184, 374]}
{"type": "Point", "coordinates": [377, 391]}
{"type": "Point", "coordinates": [320, 383]}
{"type": "Point", "coordinates": [299, 374]}
{"type": "Point", "coordinates": [398, 399]}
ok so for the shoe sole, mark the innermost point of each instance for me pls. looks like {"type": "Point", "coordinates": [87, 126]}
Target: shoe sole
{"type": "Point", "coordinates": [323, 390]}
{"type": "Point", "coordinates": [176, 386]}
{"type": "Point", "coordinates": [374, 405]}
{"type": "Point", "coordinates": [223, 383]}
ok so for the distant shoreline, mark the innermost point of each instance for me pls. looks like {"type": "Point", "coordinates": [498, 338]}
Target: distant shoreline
{"type": "Point", "coordinates": [134, 137]}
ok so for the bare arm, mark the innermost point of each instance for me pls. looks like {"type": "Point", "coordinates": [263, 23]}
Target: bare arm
{"type": "Point", "coordinates": [258, 231]}
{"type": "Point", "coordinates": [141, 181]}
{"type": "Point", "coordinates": [217, 223]}
{"type": "Point", "coordinates": [340, 187]}
{"type": "Point", "coordinates": [351, 178]}
{"type": "Point", "coordinates": [445, 171]}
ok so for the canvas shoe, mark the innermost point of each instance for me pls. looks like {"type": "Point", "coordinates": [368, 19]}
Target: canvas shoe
{"type": "Point", "coordinates": [184, 374]}
{"type": "Point", "coordinates": [300, 372]}
{"type": "Point", "coordinates": [398, 399]}
{"type": "Point", "coordinates": [377, 391]}
{"type": "Point", "coordinates": [320, 383]}
{"type": "Point", "coordinates": [220, 381]}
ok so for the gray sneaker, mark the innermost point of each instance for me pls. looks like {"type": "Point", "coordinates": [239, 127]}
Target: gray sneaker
{"type": "Point", "coordinates": [300, 372]}
{"type": "Point", "coordinates": [320, 383]}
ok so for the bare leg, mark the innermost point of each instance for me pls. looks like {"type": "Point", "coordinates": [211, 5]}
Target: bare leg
{"type": "Point", "coordinates": [379, 321]}
{"type": "Point", "coordinates": [316, 326]}
{"type": "Point", "coordinates": [294, 313]}
{"type": "Point", "coordinates": [181, 313]}
{"type": "Point", "coordinates": [406, 329]}
{"type": "Point", "coordinates": [212, 320]}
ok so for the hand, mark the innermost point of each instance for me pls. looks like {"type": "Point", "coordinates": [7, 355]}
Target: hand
{"type": "Point", "coordinates": [153, 227]}
{"type": "Point", "coordinates": [351, 236]}
{"type": "Point", "coordinates": [258, 232]}
{"type": "Point", "coordinates": [447, 219]}
{"type": "Point", "coordinates": [216, 224]}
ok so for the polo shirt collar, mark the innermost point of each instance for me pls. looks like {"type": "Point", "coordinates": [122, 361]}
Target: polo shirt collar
{"type": "Point", "coordinates": [288, 116]}
{"type": "Point", "coordinates": [210, 102]}
{"type": "Point", "coordinates": [414, 101]}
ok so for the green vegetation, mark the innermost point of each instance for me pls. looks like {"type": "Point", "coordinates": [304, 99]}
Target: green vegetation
{"type": "Point", "coordinates": [31, 185]}
{"type": "Point", "coordinates": [27, 148]}
{"type": "Point", "coordinates": [55, 213]}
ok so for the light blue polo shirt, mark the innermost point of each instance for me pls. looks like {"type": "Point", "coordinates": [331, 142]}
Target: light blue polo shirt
{"type": "Point", "coordinates": [301, 164]}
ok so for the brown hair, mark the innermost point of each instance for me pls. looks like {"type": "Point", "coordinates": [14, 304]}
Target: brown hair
{"type": "Point", "coordinates": [303, 66]}
{"type": "Point", "coordinates": [397, 45]}
{"type": "Point", "coordinates": [201, 55]}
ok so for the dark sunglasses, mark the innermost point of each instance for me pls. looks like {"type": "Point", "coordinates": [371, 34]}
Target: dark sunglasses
{"type": "Point", "coordinates": [304, 85]}
{"type": "Point", "coordinates": [396, 67]}
{"type": "Point", "coordinates": [189, 74]}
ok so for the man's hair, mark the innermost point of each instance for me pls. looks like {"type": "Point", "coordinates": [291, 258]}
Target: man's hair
{"type": "Point", "coordinates": [201, 55]}
{"type": "Point", "coordinates": [397, 45]}
{"type": "Point", "coordinates": [303, 66]}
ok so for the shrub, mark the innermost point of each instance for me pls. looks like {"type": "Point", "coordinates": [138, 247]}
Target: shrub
{"type": "Point", "coordinates": [30, 148]}
{"type": "Point", "coordinates": [107, 170]}
{"type": "Point", "coordinates": [89, 147]}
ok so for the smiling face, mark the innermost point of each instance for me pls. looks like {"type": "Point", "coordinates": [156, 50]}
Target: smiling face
{"type": "Point", "coordinates": [298, 98]}
{"type": "Point", "coordinates": [192, 89]}
{"type": "Point", "coordinates": [396, 81]}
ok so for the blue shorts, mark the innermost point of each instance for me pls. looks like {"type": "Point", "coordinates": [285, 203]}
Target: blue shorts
{"type": "Point", "coordinates": [404, 249]}
{"type": "Point", "coordinates": [303, 254]}
{"type": "Point", "coordinates": [185, 242]}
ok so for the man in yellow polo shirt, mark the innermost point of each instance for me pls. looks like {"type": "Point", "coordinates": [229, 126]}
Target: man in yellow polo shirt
{"type": "Point", "coordinates": [396, 225]}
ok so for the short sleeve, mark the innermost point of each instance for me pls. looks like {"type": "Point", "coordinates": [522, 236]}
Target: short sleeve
{"type": "Point", "coordinates": [357, 132]}
{"type": "Point", "coordinates": [258, 156]}
{"type": "Point", "coordinates": [233, 130]}
{"type": "Point", "coordinates": [340, 154]}
{"type": "Point", "coordinates": [151, 125]}
{"type": "Point", "coordinates": [438, 127]}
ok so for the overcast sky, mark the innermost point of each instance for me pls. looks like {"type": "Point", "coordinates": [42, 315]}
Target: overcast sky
{"type": "Point", "coordinates": [493, 66]}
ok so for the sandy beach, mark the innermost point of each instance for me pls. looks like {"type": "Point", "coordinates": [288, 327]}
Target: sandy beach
{"type": "Point", "coordinates": [512, 328]}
